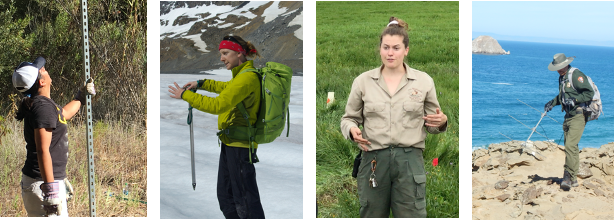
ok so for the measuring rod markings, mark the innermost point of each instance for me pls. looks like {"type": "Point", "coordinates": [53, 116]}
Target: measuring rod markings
{"type": "Point", "coordinates": [88, 99]}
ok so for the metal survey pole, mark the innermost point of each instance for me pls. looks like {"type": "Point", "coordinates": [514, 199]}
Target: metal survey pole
{"type": "Point", "coordinates": [88, 101]}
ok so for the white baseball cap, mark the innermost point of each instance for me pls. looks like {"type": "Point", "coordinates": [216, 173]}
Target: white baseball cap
{"type": "Point", "coordinates": [26, 74]}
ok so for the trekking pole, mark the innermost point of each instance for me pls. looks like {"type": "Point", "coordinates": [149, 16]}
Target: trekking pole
{"type": "Point", "coordinates": [191, 144]}
{"type": "Point", "coordinates": [88, 100]}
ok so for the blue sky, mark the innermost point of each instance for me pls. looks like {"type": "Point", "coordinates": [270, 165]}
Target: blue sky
{"type": "Point", "coordinates": [588, 23]}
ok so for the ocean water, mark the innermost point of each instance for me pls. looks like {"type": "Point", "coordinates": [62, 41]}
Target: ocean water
{"type": "Point", "coordinates": [500, 81]}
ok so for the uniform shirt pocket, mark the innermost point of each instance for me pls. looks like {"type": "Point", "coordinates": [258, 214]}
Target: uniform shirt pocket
{"type": "Point", "coordinates": [375, 115]}
{"type": "Point", "coordinates": [414, 111]}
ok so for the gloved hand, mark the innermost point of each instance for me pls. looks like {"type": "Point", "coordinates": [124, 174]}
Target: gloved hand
{"type": "Point", "coordinates": [548, 106]}
{"type": "Point", "coordinates": [52, 204]}
{"type": "Point", "coordinates": [191, 85]}
{"type": "Point", "coordinates": [87, 89]}
{"type": "Point", "coordinates": [70, 192]}
{"type": "Point", "coordinates": [194, 85]}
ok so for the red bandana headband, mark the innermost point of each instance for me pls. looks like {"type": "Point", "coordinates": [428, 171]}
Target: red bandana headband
{"type": "Point", "coordinates": [226, 44]}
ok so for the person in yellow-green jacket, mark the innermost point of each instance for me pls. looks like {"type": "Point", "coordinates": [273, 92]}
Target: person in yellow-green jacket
{"type": "Point", "coordinates": [237, 190]}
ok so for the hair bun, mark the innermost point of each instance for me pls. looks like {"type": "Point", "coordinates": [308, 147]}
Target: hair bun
{"type": "Point", "coordinates": [396, 22]}
{"type": "Point", "coordinates": [396, 27]}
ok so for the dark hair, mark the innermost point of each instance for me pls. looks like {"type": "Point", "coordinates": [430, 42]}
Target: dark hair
{"type": "Point", "coordinates": [400, 29]}
{"type": "Point", "coordinates": [26, 102]}
{"type": "Point", "coordinates": [249, 48]}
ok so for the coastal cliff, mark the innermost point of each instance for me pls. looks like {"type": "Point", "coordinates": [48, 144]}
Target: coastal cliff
{"type": "Point", "coordinates": [487, 45]}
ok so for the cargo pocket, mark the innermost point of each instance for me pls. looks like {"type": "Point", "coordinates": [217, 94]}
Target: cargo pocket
{"type": "Point", "coordinates": [420, 194]}
{"type": "Point", "coordinates": [363, 206]}
{"type": "Point", "coordinates": [420, 211]}
{"type": "Point", "coordinates": [420, 180]}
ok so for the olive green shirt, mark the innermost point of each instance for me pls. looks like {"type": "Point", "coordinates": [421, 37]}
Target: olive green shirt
{"type": "Point", "coordinates": [583, 91]}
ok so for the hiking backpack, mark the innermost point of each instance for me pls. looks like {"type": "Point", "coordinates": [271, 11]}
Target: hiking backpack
{"type": "Point", "coordinates": [593, 108]}
{"type": "Point", "coordinates": [275, 81]}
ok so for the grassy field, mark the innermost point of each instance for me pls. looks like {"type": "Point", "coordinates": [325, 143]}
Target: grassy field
{"type": "Point", "coordinates": [347, 45]}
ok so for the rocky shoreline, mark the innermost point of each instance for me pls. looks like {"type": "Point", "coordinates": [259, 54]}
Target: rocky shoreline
{"type": "Point", "coordinates": [513, 180]}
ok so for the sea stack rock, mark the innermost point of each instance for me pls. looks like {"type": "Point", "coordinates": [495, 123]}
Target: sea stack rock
{"type": "Point", "coordinates": [486, 45]}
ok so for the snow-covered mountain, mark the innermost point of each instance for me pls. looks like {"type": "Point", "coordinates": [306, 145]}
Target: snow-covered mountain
{"type": "Point", "coordinates": [190, 33]}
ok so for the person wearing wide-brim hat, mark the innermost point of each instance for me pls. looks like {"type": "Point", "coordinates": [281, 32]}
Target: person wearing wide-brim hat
{"type": "Point", "coordinates": [574, 92]}
{"type": "Point", "coordinates": [44, 186]}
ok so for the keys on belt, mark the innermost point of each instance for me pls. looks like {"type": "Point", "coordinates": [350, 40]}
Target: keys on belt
{"type": "Point", "coordinates": [372, 181]}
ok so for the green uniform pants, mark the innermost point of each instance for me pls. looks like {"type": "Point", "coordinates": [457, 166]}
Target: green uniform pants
{"type": "Point", "coordinates": [401, 183]}
{"type": "Point", "coordinates": [573, 128]}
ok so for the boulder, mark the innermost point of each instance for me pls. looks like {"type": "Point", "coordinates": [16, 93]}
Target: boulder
{"type": "Point", "coordinates": [487, 45]}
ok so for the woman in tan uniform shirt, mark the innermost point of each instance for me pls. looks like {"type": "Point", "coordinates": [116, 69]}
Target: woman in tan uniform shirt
{"type": "Point", "coordinates": [396, 105]}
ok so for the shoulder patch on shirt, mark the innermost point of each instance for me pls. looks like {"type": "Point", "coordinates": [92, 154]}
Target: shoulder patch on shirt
{"type": "Point", "coordinates": [581, 79]}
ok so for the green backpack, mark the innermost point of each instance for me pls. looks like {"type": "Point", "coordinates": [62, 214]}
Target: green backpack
{"type": "Point", "coordinates": [275, 80]}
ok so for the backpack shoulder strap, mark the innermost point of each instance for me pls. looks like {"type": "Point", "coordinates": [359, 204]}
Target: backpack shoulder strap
{"type": "Point", "coordinates": [241, 106]}
{"type": "Point", "coordinates": [247, 70]}
{"type": "Point", "coordinates": [243, 111]}
{"type": "Point", "coordinates": [570, 77]}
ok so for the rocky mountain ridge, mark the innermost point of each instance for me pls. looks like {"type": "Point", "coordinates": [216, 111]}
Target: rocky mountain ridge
{"type": "Point", "coordinates": [191, 32]}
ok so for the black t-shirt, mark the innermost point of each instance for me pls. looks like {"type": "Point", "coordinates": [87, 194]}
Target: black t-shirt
{"type": "Point", "coordinates": [44, 113]}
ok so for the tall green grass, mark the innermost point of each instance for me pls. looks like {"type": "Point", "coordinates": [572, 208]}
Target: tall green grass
{"type": "Point", "coordinates": [347, 45]}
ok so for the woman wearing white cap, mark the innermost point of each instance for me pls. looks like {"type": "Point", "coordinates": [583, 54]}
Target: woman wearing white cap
{"type": "Point", "coordinates": [45, 132]}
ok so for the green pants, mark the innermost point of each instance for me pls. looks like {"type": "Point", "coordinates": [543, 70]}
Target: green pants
{"type": "Point", "coordinates": [401, 184]}
{"type": "Point", "coordinates": [573, 128]}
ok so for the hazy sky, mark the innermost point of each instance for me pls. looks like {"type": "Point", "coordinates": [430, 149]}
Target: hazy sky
{"type": "Point", "coordinates": [587, 21]}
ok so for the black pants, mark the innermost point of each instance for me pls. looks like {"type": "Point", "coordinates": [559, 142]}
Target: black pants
{"type": "Point", "coordinates": [237, 191]}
